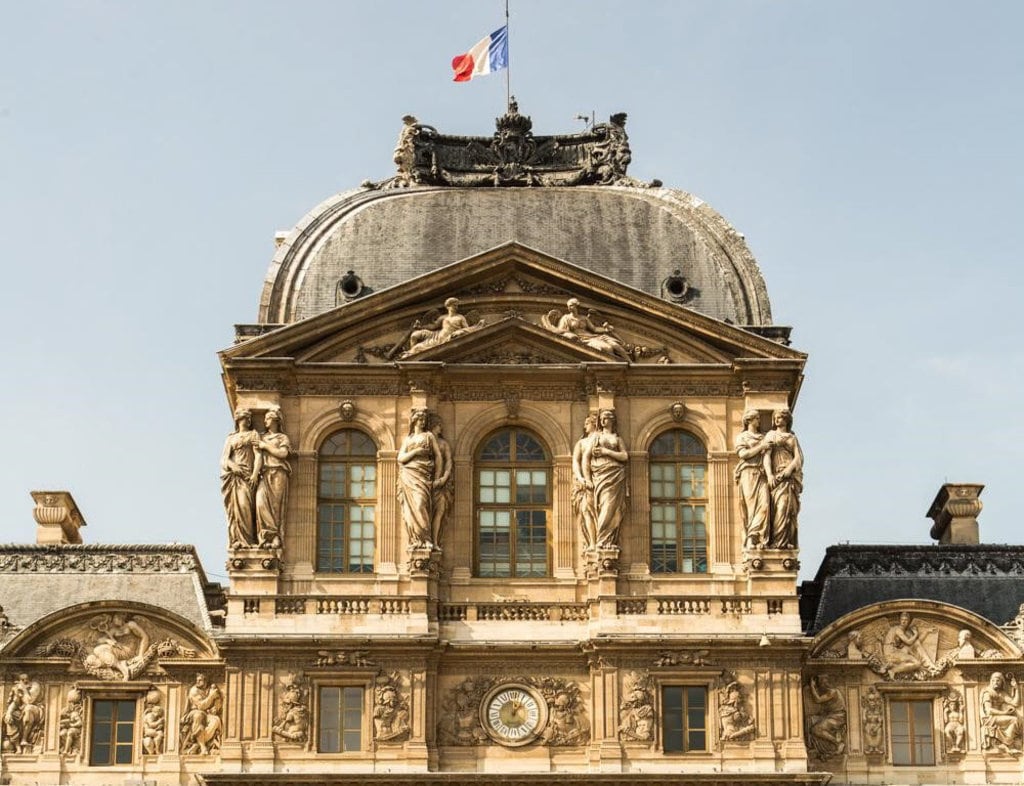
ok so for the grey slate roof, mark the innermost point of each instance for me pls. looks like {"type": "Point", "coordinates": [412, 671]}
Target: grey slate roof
{"type": "Point", "coordinates": [634, 235]}
{"type": "Point", "coordinates": [986, 579]}
{"type": "Point", "coordinates": [36, 581]}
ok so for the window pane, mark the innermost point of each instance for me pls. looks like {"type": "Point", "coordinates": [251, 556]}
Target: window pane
{"type": "Point", "coordinates": [330, 718]}
{"type": "Point", "coordinates": [347, 491]}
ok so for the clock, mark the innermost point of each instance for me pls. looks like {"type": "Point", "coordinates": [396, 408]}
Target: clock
{"type": "Point", "coordinates": [513, 714]}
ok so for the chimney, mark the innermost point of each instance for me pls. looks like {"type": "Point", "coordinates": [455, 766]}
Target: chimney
{"type": "Point", "coordinates": [57, 518]}
{"type": "Point", "coordinates": [955, 513]}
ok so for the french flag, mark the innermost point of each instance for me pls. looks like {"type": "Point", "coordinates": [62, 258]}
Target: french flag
{"type": "Point", "coordinates": [485, 57]}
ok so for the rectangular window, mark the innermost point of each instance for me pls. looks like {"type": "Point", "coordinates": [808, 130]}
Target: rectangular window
{"type": "Point", "coordinates": [684, 710]}
{"type": "Point", "coordinates": [912, 740]}
{"type": "Point", "coordinates": [341, 719]}
{"type": "Point", "coordinates": [112, 736]}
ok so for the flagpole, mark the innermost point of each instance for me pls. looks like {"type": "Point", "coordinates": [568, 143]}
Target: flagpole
{"type": "Point", "coordinates": [508, 66]}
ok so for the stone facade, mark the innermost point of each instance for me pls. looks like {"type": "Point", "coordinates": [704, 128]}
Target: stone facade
{"type": "Point", "coordinates": [515, 518]}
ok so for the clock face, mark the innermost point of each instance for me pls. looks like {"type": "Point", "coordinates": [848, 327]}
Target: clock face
{"type": "Point", "coordinates": [513, 714]}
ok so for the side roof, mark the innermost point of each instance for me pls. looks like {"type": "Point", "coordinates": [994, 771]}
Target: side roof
{"type": "Point", "coordinates": [987, 579]}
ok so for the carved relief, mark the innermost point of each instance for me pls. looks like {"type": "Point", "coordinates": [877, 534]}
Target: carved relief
{"type": "Point", "coordinates": [636, 710]}
{"type": "Point", "coordinates": [567, 717]}
{"type": "Point", "coordinates": [292, 722]}
{"type": "Point", "coordinates": [89, 559]}
{"type": "Point", "coordinates": [954, 728]}
{"type": "Point", "coordinates": [24, 717]}
{"type": "Point", "coordinates": [1001, 714]}
{"type": "Point", "coordinates": [344, 658]}
{"type": "Point", "coordinates": [735, 722]}
{"type": "Point", "coordinates": [825, 719]}
{"type": "Point", "coordinates": [460, 716]}
{"type": "Point", "coordinates": [201, 723]}
{"type": "Point", "coordinates": [117, 646]}
{"type": "Point", "coordinates": [908, 649]}
{"type": "Point", "coordinates": [576, 327]}
{"type": "Point", "coordinates": [72, 720]}
{"type": "Point", "coordinates": [683, 658]}
{"type": "Point", "coordinates": [873, 723]}
{"type": "Point", "coordinates": [440, 331]}
{"type": "Point", "coordinates": [154, 722]}
{"type": "Point", "coordinates": [273, 473]}
{"type": "Point", "coordinates": [390, 709]}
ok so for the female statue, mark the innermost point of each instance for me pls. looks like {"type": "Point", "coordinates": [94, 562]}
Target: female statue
{"type": "Point", "coordinates": [445, 328]}
{"type": "Point", "coordinates": [418, 459]}
{"type": "Point", "coordinates": [582, 489]}
{"type": "Point", "coordinates": [605, 468]}
{"type": "Point", "coordinates": [238, 479]}
{"type": "Point", "coordinates": [752, 481]}
{"type": "Point", "coordinates": [578, 327]}
{"type": "Point", "coordinates": [444, 482]}
{"type": "Point", "coordinates": [783, 464]}
{"type": "Point", "coordinates": [272, 490]}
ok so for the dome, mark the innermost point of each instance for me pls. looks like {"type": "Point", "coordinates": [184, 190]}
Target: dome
{"type": "Point", "coordinates": [445, 206]}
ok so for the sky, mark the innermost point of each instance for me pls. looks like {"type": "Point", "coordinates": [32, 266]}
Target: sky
{"type": "Point", "coordinates": [872, 153]}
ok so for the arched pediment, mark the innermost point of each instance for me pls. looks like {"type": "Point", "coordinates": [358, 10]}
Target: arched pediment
{"type": "Point", "coordinates": [912, 639]}
{"type": "Point", "coordinates": [113, 640]}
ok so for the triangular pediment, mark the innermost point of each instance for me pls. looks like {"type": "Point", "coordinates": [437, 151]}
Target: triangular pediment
{"type": "Point", "coordinates": [513, 307]}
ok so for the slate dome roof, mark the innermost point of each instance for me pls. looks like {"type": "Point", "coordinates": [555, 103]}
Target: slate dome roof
{"type": "Point", "coordinates": [662, 241]}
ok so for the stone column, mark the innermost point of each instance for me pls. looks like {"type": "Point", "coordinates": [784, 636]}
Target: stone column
{"type": "Point", "coordinates": [721, 521]}
{"type": "Point", "coordinates": [636, 537]}
{"type": "Point", "coordinates": [563, 532]}
{"type": "Point", "coordinates": [301, 533]}
{"type": "Point", "coordinates": [389, 529]}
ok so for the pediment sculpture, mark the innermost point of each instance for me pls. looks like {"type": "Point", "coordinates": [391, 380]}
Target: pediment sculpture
{"type": "Point", "coordinates": [432, 331]}
{"type": "Point", "coordinates": [575, 326]}
{"type": "Point", "coordinates": [115, 646]}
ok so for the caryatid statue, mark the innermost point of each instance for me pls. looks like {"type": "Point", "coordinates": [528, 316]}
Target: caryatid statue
{"type": "Point", "coordinates": [274, 473]}
{"type": "Point", "coordinates": [582, 488]}
{"type": "Point", "coordinates": [755, 500]}
{"type": "Point", "coordinates": [783, 466]}
{"type": "Point", "coordinates": [604, 468]}
{"type": "Point", "coordinates": [418, 460]}
{"type": "Point", "coordinates": [443, 484]}
{"type": "Point", "coordinates": [238, 478]}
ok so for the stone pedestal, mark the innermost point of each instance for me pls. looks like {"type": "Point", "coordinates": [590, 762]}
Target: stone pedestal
{"type": "Point", "coordinates": [955, 512]}
{"type": "Point", "coordinates": [254, 571]}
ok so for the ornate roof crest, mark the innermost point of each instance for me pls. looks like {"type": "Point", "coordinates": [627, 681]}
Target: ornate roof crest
{"type": "Point", "coordinates": [513, 156]}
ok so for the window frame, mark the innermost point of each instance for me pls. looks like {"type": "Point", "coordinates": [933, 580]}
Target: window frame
{"type": "Point", "coordinates": [911, 743]}
{"type": "Point", "coordinates": [342, 680]}
{"type": "Point", "coordinates": [514, 466]}
{"type": "Point", "coordinates": [681, 551]}
{"type": "Point", "coordinates": [92, 725]}
{"type": "Point", "coordinates": [369, 502]}
{"type": "Point", "coordinates": [685, 731]}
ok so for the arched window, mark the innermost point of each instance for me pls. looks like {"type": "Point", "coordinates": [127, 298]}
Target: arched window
{"type": "Point", "coordinates": [346, 503]}
{"type": "Point", "coordinates": [513, 505]}
{"type": "Point", "coordinates": [679, 500]}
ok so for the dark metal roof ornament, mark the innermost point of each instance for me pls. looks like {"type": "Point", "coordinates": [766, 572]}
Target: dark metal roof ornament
{"type": "Point", "coordinates": [513, 156]}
